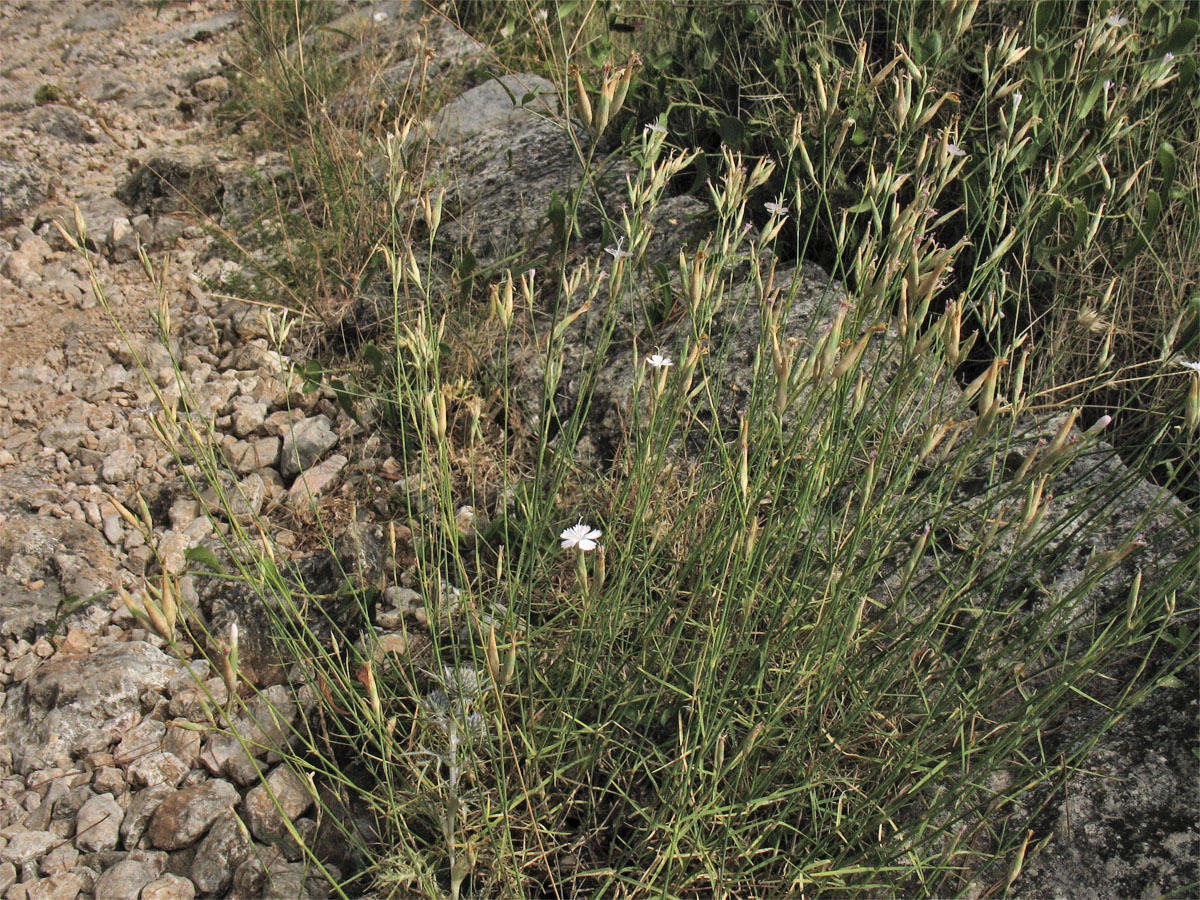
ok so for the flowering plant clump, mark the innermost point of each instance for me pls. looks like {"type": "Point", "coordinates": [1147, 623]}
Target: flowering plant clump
{"type": "Point", "coordinates": [580, 537]}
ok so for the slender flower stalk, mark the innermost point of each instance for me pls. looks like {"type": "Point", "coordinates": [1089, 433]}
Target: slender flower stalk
{"type": "Point", "coordinates": [660, 364]}
{"type": "Point", "coordinates": [581, 538]}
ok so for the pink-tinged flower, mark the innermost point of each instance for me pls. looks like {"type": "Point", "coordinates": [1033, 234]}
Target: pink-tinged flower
{"type": "Point", "coordinates": [1194, 366]}
{"type": "Point", "coordinates": [653, 128]}
{"type": "Point", "coordinates": [1116, 20]}
{"type": "Point", "coordinates": [580, 537]}
{"type": "Point", "coordinates": [659, 361]}
{"type": "Point", "coordinates": [1168, 57]}
{"type": "Point", "coordinates": [775, 208]}
{"type": "Point", "coordinates": [616, 252]}
{"type": "Point", "coordinates": [955, 150]}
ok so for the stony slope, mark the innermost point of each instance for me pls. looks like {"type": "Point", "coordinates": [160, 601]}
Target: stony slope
{"type": "Point", "coordinates": [106, 786]}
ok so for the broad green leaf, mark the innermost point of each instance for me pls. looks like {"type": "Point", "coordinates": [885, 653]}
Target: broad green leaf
{"type": "Point", "coordinates": [733, 132]}
{"type": "Point", "coordinates": [1043, 16]}
{"type": "Point", "coordinates": [1082, 220]}
{"type": "Point", "coordinates": [1088, 101]}
{"type": "Point", "coordinates": [1036, 70]}
{"type": "Point", "coordinates": [373, 357]}
{"type": "Point", "coordinates": [1179, 39]}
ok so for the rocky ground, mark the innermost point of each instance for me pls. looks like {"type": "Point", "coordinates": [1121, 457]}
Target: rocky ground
{"type": "Point", "coordinates": [111, 785]}
{"type": "Point", "coordinates": [106, 786]}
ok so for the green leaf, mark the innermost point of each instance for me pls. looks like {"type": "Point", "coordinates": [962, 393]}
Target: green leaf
{"type": "Point", "coordinates": [702, 169]}
{"type": "Point", "coordinates": [312, 373]}
{"type": "Point", "coordinates": [557, 214]}
{"type": "Point", "coordinates": [1165, 157]}
{"type": "Point", "coordinates": [374, 358]}
{"type": "Point", "coordinates": [345, 398]}
{"type": "Point", "coordinates": [1179, 39]}
{"type": "Point", "coordinates": [656, 62]}
{"type": "Point", "coordinates": [1186, 72]}
{"type": "Point", "coordinates": [1035, 71]}
{"type": "Point", "coordinates": [1089, 100]}
{"type": "Point", "coordinates": [467, 264]}
{"type": "Point", "coordinates": [600, 51]}
{"type": "Point", "coordinates": [566, 7]}
{"type": "Point", "coordinates": [733, 132]}
{"type": "Point", "coordinates": [1043, 16]}
{"type": "Point", "coordinates": [329, 29]}
{"type": "Point", "coordinates": [933, 46]}
{"type": "Point", "coordinates": [1151, 214]}
{"type": "Point", "coordinates": [1082, 220]}
{"type": "Point", "coordinates": [205, 557]}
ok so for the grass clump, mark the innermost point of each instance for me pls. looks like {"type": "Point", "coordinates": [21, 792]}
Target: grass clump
{"type": "Point", "coordinates": [811, 620]}
{"type": "Point", "coordinates": [1075, 204]}
{"type": "Point", "coordinates": [47, 93]}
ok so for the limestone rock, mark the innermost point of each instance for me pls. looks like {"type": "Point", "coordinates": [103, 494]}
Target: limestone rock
{"type": "Point", "coordinates": [183, 818]}
{"type": "Point", "coordinates": [223, 849]}
{"type": "Point", "coordinates": [497, 104]}
{"type": "Point", "coordinates": [61, 122]}
{"type": "Point", "coordinates": [125, 880]}
{"type": "Point", "coordinates": [59, 886]}
{"type": "Point", "coordinates": [98, 826]}
{"type": "Point", "coordinates": [268, 725]}
{"type": "Point", "coordinates": [169, 887]}
{"type": "Point", "coordinates": [25, 612]}
{"type": "Point", "coordinates": [120, 466]}
{"type": "Point", "coordinates": [96, 20]}
{"type": "Point", "coordinates": [242, 499]}
{"type": "Point", "coordinates": [159, 767]}
{"type": "Point", "coordinates": [67, 697]}
{"type": "Point", "coordinates": [304, 442]}
{"type": "Point", "coordinates": [22, 187]}
{"type": "Point", "coordinates": [291, 795]}
{"type": "Point", "coordinates": [269, 875]}
{"type": "Point", "coordinates": [65, 436]}
{"type": "Point", "coordinates": [28, 845]}
{"type": "Point", "coordinates": [59, 860]}
{"type": "Point", "coordinates": [257, 454]}
{"type": "Point", "coordinates": [194, 32]}
{"type": "Point", "coordinates": [161, 181]}
{"type": "Point", "coordinates": [316, 481]}
{"type": "Point", "coordinates": [141, 808]}
{"type": "Point", "coordinates": [145, 737]}
{"type": "Point", "coordinates": [183, 743]}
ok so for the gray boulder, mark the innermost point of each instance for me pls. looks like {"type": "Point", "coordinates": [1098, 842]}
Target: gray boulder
{"type": "Point", "coordinates": [66, 699]}
{"type": "Point", "coordinates": [22, 187]}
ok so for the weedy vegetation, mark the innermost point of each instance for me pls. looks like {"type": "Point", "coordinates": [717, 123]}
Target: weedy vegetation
{"type": "Point", "coordinates": [822, 644]}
